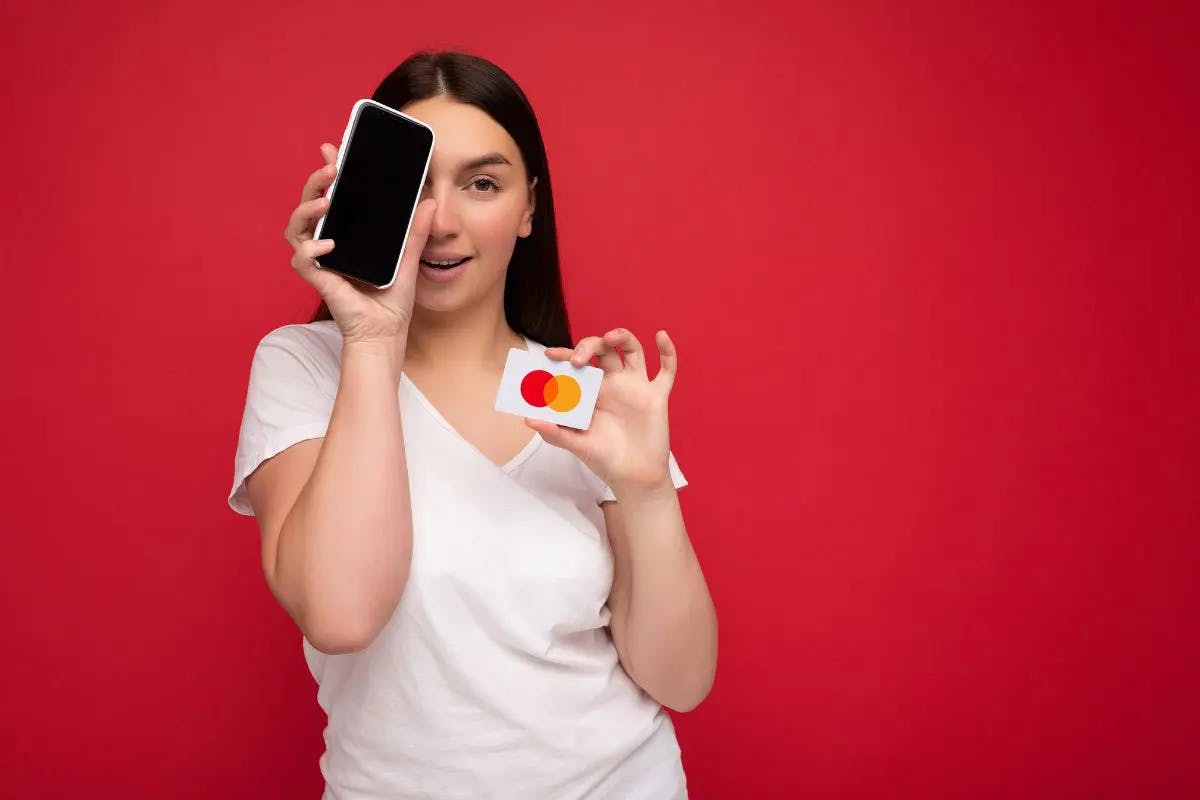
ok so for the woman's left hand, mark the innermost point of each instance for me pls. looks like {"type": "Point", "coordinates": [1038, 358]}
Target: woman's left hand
{"type": "Point", "coordinates": [627, 443]}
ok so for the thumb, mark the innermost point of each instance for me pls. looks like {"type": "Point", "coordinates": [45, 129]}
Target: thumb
{"type": "Point", "coordinates": [414, 245]}
{"type": "Point", "coordinates": [419, 233]}
{"type": "Point", "coordinates": [568, 439]}
{"type": "Point", "coordinates": [425, 211]}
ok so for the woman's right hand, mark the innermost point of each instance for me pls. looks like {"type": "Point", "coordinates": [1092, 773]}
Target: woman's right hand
{"type": "Point", "coordinates": [362, 312]}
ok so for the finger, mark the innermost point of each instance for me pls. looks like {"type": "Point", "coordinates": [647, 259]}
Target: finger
{"type": "Point", "coordinates": [329, 153]}
{"type": "Point", "coordinates": [323, 280]}
{"type": "Point", "coordinates": [422, 221]}
{"type": "Point", "coordinates": [318, 182]}
{"type": "Point", "coordinates": [313, 197]}
{"type": "Point", "coordinates": [631, 349]}
{"type": "Point", "coordinates": [301, 224]}
{"type": "Point", "coordinates": [564, 353]}
{"type": "Point", "coordinates": [595, 346]}
{"type": "Point", "coordinates": [668, 361]}
{"type": "Point", "coordinates": [302, 259]}
{"type": "Point", "coordinates": [569, 439]}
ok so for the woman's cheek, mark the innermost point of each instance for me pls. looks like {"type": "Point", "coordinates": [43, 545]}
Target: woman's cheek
{"type": "Point", "coordinates": [495, 230]}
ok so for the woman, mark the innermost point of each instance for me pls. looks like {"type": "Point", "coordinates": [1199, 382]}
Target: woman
{"type": "Point", "coordinates": [489, 610]}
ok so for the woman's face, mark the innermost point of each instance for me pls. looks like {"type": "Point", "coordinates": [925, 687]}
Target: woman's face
{"type": "Point", "coordinates": [481, 208]}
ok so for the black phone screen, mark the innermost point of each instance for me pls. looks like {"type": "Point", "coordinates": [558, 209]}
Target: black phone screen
{"type": "Point", "coordinates": [373, 198]}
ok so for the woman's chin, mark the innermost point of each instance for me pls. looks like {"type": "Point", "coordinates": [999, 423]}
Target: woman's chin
{"type": "Point", "coordinates": [440, 299]}
{"type": "Point", "coordinates": [443, 297]}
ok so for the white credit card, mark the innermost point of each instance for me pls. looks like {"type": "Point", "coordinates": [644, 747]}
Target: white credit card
{"type": "Point", "coordinates": [535, 385]}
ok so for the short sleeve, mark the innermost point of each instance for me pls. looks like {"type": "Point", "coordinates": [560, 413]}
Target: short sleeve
{"type": "Point", "coordinates": [676, 478]}
{"type": "Point", "coordinates": [287, 401]}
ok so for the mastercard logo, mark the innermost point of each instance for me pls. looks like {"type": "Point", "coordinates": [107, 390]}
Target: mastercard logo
{"type": "Point", "coordinates": [541, 389]}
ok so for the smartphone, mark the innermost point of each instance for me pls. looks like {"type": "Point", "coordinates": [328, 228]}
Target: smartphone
{"type": "Point", "coordinates": [381, 169]}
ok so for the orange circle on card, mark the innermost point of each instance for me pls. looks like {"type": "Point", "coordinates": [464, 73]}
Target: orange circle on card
{"type": "Point", "coordinates": [559, 393]}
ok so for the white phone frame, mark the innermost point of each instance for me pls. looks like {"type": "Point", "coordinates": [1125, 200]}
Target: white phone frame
{"type": "Point", "coordinates": [343, 148]}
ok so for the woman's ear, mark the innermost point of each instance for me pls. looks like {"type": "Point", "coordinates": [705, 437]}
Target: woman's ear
{"type": "Point", "coordinates": [527, 221]}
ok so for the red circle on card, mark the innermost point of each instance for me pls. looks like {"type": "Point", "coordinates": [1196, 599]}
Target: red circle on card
{"type": "Point", "coordinates": [533, 387]}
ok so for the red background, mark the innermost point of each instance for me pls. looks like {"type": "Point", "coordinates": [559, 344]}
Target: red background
{"type": "Point", "coordinates": [932, 276]}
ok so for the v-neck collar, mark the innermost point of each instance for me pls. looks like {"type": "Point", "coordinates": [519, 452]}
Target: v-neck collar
{"type": "Point", "coordinates": [509, 465]}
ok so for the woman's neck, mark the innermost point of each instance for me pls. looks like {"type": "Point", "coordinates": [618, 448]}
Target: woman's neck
{"type": "Point", "coordinates": [460, 341]}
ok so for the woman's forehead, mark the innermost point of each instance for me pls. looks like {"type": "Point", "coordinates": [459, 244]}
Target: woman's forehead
{"type": "Point", "coordinates": [463, 133]}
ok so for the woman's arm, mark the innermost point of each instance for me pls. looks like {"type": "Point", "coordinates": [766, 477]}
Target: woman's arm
{"type": "Point", "coordinates": [344, 549]}
{"type": "Point", "coordinates": [664, 624]}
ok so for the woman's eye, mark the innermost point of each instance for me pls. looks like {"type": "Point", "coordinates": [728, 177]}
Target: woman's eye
{"type": "Point", "coordinates": [487, 181]}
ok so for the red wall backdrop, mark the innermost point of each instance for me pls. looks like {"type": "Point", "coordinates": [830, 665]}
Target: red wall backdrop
{"type": "Point", "coordinates": [932, 275]}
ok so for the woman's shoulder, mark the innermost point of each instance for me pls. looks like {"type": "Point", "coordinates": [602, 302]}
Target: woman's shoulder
{"type": "Point", "coordinates": [318, 345]}
{"type": "Point", "coordinates": [321, 331]}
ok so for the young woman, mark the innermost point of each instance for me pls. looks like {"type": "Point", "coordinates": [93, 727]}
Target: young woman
{"type": "Point", "coordinates": [492, 607]}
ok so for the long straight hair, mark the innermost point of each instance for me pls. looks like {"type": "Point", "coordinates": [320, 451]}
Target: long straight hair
{"type": "Point", "coordinates": [533, 295]}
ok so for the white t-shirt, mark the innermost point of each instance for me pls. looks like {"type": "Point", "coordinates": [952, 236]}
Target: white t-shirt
{"type": "Point", "coordinates": [496, 676]}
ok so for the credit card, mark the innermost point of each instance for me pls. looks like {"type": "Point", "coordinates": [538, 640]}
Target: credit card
{"type": "Point", "coordinates": [535, 385]}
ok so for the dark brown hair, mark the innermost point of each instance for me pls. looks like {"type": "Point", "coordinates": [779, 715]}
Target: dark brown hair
{"type": "Point", "coordinates": [533, 296]}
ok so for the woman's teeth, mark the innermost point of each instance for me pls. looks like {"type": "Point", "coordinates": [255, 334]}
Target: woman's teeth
{"type": "Point", "coordinates": [444, 264]}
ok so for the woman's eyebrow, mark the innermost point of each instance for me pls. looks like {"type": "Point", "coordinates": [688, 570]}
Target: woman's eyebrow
{"type": "Point", "coordinates": [483, 161]}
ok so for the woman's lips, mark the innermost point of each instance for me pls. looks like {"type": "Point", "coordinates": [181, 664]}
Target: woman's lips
{"type": "Point", "coordinates": [437, 275]}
